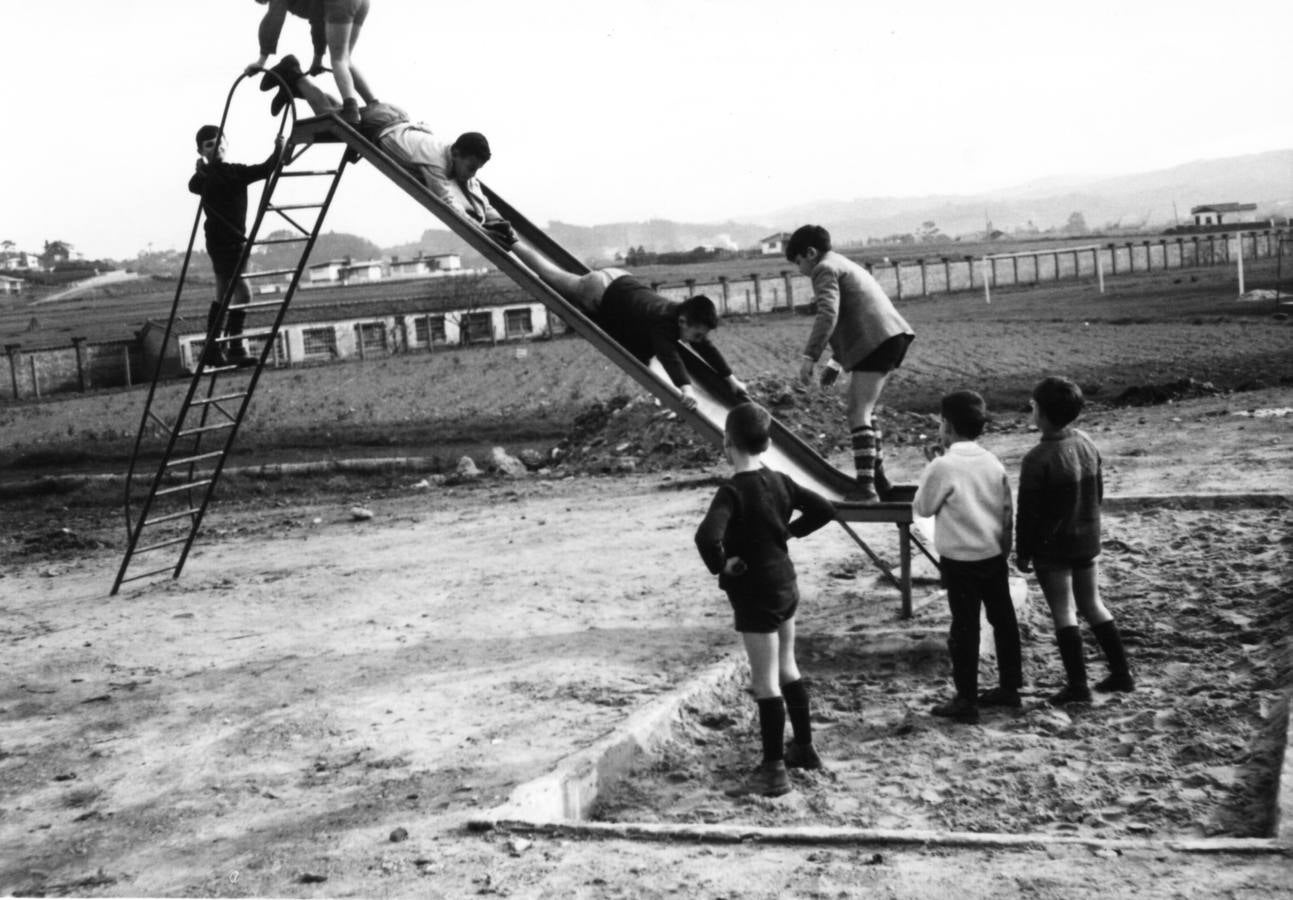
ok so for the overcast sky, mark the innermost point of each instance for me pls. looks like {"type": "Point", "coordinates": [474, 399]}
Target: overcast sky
{"type": "Point", "coordinates": [614, 110]}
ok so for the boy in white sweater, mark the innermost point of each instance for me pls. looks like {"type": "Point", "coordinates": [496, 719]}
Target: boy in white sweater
{"type": "Point", "coordinates": [968, 494]}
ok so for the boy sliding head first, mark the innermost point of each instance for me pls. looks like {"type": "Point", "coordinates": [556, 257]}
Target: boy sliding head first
{"type": "Point", "coordinates": [968, 494]}
{"type": "Point", "coordinates": [743, 540]}
{"type": "Point", "coordinates": [867, 337]}
{"type": "Point", "coordinates": [1061, 486]}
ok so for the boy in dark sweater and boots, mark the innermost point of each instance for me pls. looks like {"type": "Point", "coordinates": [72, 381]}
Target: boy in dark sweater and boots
{"type": "Point", "coordinates": [743, 540]}
{"type": "Point", "coordinates": [1061, 487]}
{"type": "Point", "coordinates": [223, 189]}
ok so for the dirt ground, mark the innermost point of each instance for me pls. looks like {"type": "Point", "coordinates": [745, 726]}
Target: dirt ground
{"type": "Point", "coordinates": [319, 704]}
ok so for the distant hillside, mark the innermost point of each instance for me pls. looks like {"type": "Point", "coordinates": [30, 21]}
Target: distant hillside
{"type": "Point", "coordinates": [1145, 200]}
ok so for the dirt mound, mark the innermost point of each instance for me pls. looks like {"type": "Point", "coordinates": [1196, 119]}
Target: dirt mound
{"type": "Point", "coordinates": [1156, 394]}
{"type": "Point", "coordinates": [626, 434]}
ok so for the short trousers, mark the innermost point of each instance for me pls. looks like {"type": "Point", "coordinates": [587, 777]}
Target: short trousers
{"type": "Point", "coordinates": [343, 12]}
{"type": "Point", "coordinates": [224, 262]}
{"type": "Point", "coordinates": [1058, 565]}
{"type": "Point", "coordinates": [763, 615]}
{"type": "Point", "coordinates": [887, 357]}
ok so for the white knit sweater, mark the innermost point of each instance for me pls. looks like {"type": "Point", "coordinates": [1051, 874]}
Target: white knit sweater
{"type": "Point", "coordinates": [968, 494]}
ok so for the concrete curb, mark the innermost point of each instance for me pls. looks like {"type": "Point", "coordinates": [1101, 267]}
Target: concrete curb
{"type": "Point", "coordinates": [825, 835]}
{"type": "Point", "coordinates": [1284, 780]}
{"type": "Point", "coordinates": [570, 790]}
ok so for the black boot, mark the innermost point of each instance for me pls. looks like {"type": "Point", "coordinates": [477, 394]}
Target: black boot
{"type": "Point", "coordinates": [1120, 680]}
{"type": "Point", "coordinates": [1076, 691]}
{"type": "Point", "coordinates": [212, 355]}
{"type": "Point", "coordinates": [863, 439]}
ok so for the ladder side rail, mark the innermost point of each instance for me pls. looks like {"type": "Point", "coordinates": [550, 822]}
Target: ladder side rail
{"type": "Point", "coordinates": [157, 372]}
{"type": "Point", "coordinates": [133, 535]}
{"type": "Point", "coordinates": [266, 350]}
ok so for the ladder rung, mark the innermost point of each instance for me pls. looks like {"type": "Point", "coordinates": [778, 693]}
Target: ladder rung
{"type": "Point", "coordinates": [307, 173]}
{"type": "Point", "coordinates": [273, 208]}
{"type": "Point", "coordinates": [189, 459]}
{"type": "Point", "coordinates": [219, 399]}
{"type": "Point", "coordinates": [161, 544]}
{"type": "Point", "coordinates": [249, 333]}
{"type": "Point", "coordinates": [170, 569]}
{"type": "Point", "coordinates": [291, 240]}
{"type": "Point", "coordinates": [175, 515]}
{"type": "Point", "coordinates": [202, 429]}
{"type": "Point", "coordinates": [183, 487]}
{"type": "Point", "coordinates": [266, 274]}
{"type": "Point", "coordinates": [259, 304]}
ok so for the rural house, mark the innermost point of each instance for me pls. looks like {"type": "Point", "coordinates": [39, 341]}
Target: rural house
{"type": "Point", "coordinates": [1213, 214]}
{"type": "Point", "coordinates": [421, 266]}
{"type": "Point", "coordinates": [774, 244]}
{"type": "Point", "coordinates": [10, 285]}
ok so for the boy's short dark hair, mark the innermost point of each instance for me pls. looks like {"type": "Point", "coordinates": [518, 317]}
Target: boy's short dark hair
{"type": "Point", "coordinates": [207, 133]}
{"type": "Point", "coordinates": [1059, 400]}
{"type": "Point", "coordinates": [805, 237]}
{"type": "Point", "coordinates": [748, 426]}
{"type": "Point", "coordinates": [700, 310]}
{"type": "Point", "coordinates": [473, 144]}
{"type": "Point", "coordinates": [966, 412]}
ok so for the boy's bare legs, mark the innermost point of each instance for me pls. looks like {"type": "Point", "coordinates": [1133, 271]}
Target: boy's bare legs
{"type": "Point", "coordinates": [361, 85]}
{"type": "Point", "coordinates": [764, 652]}
{"type": "Point", "coordinates": [1086, 594]}
{"type": "Point", "coordinates": [585, 290]}
{"type": "Point", "coordinates": [1057, 586]}
{"type": "Point", "coordinates": [341, 37]}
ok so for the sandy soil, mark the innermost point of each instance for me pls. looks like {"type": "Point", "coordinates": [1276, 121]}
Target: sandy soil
{"type": "Point", "coordinates": [266, 725]}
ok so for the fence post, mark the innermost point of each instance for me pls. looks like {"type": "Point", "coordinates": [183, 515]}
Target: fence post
{"type": "Point", "coordinates": [947, 274]}
{"type": "Point", "coordinates": [1014, 270]}
{"type": "Point", "coordinates": [1099, 267]}
{"type": "Point", "coordinates": [924, 284]}
{"type": "Point", "coordinates": [691, 286]}
{"type": "Point", "coordinates": [125, 365]}
{"type": "Point", "coordinates": [1131, 257]}
{"type": "Point", "coordinates": [1055, 258]}
{"type": "Point", "coordinates": [758, 291]}
{"type": "Point", "coordinates": [727, 290]}
{"type": "Point", "coordinates": [969, 271]}
{"type": "Point", "coordinates": [1113, 258]}
{"type": "Point", "coordinates": [790, 290]}
{"type": "Point", "coordinates": [1077, 266]}
{"type": "Point", "coordinates": [12, 350]}
{"type": "Point", "coordinates": [77, 345]}
{"type": "Point", "coordinates": [359, 339]}
{"type": "Point", "coordinates": [897, 280]}
{"type": "Point", "coordinates": [35, 379]}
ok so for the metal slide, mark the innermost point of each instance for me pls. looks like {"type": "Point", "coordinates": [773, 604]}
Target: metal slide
{"type": "Point", "coordinates": [787, 453]}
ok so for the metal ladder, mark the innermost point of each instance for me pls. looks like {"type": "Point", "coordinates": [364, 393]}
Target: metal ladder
{"type": "Point", "coordinates": [164, 509]}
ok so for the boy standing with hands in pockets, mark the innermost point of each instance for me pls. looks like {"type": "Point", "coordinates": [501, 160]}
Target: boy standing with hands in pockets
{"type": "Point", "coordinates": [968, 494]}
{"type": "Point", "coordinates": [743, 541]}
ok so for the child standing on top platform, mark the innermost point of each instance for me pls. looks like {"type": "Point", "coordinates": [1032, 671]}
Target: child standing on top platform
{"type": "Point", "coordinates": [1061, 487]}
{"type": "Point", "coordinates": [867, 337]}
{"type": "Point", "coordinates": [967, 493]}
{"type": "Point", "coordinates": [743, 540]}
{"type": "Point", "coordinates": [334, 26]}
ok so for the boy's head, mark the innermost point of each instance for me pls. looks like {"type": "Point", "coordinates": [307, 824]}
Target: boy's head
{"type": "Point", "coordinates": [469, 153]}
{"type": "Point", "coordinates": [807, 245]}
{"type": "Point", "coordinates": [1058, 399]}
{"type": "Point", "coordinates": [747, 428]}
{"type": "Point", "coordinates": [211, 143]}
{"type": "Point", "coordinates": [697, 317]}
{"type": "Point", "coordinates": [965, 413]}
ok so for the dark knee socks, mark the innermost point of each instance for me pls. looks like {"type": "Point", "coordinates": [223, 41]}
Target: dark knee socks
{"type": "Point", "coordinates": [1110, 641]}
{"type": "Point", "coordinates": [796, 694]}
{"type": "Point", "coordinates": [772, 727]}
{"type": "Point", "coordinates": [1070, 642]}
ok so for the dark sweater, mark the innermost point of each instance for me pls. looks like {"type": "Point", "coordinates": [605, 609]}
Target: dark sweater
{"type": "Point", "coordinates": [749, 517]}
{"type": "Point", "coordinates": [223, 189]}
{"type": "Point", "coordinates": [1061, 486]}
{"type": "Point", "coordinates": [646, 325]}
